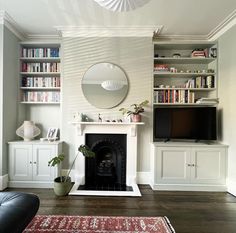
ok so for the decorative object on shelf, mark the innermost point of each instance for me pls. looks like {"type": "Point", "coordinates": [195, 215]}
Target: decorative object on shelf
{"type": "Point", "coordinates": [135, 113]}
{"type": "Point", "coordinates": [28, 130]}
{"type": "Point", "coordinates": [99, 118]}
{"type": "Point", "coordinates": [176, 55]}
{"type": "Point", "coordinates": [52, 134]}
{"type": "Point", "coordinates": [63, 184]}
{"type": "Point", "coordinates": [121, 5]}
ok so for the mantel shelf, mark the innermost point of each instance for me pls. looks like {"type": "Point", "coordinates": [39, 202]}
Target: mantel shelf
{"type": "Point", "coordinates": [81, 125]}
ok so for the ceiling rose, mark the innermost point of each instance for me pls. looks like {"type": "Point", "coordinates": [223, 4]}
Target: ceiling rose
{"type": "Point", "coordinates": [121, 5]}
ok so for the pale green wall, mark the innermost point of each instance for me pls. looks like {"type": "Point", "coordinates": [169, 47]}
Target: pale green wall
{"type": "Point", "coordinates": [134, 55]}
{"type": "Point", "coordinates": [1, 97]}
{"type": "Point", "coordinates": [9, 93]}
{"type": "Point", "coordinates": [227, 94]}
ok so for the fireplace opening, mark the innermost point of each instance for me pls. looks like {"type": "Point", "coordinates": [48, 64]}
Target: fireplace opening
{"type": "Point", "coordinates": [107, 171]}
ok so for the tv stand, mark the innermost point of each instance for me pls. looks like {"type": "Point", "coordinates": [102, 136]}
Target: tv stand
{"type": "Point", "coordinates": [188, 166]}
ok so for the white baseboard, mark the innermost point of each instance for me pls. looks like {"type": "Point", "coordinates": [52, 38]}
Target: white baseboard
{"type": "Point", "coordinates": [143, 177]}
{"type": "Point", "coordinates": [189, 187]}
{"type": "Point", "coordinates": [3, 182]}
{"type": "Point", "coordinates": [231, 186]}
{"type": "Point", "coordinates": [30, 184]}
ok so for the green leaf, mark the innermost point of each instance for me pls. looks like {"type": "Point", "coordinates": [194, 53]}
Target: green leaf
{"type": "Point", "coordinates": [56, 160]}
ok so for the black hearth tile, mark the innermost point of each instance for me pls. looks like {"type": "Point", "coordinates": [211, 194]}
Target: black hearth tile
{"type": "Point", "coordinates": [116, 187]}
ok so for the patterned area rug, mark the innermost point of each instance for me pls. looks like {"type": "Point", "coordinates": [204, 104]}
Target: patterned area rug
{"type": "Point", "coordinates": [98, 224]}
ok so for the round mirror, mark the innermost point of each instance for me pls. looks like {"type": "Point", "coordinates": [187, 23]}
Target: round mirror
{"type": "Point", "coordinates": [105, 85]}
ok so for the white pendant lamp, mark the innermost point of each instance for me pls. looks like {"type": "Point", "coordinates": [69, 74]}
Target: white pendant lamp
{"type": "Point", "coordinates": [121, 5]}
{"type": "Point", "coordinates": [112, 85]}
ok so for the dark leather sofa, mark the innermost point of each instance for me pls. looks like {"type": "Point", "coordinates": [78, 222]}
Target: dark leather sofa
{"type": "Point", "coordinates": [16, 211]}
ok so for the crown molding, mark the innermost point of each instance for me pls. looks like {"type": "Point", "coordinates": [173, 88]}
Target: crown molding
{"type": "Point", "coordinates": [180, 38]}
{"type": "Point", "coordinates": [11, 24]}
{"type": "Point", "coordinates": [35, 37]}
{"type": "Point", "coordinates": [109, 31]}
{"type": "Point", "coordinates": [223, 27]}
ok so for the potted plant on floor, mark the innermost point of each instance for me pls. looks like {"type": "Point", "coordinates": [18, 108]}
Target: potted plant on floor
{"type": "Point", "coordinates": [135, 112]}
{"type": "Point", "coordinates": [63, 184]}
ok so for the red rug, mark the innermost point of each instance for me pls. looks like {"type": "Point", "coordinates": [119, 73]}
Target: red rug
{"type": "Point", "coordinates": [98, 224]}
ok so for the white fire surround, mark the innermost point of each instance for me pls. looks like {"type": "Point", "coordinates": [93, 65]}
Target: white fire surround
{"type": "Point", "coordinates": [130, 129]}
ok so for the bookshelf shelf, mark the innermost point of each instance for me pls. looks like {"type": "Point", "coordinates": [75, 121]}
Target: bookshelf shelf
{"type": "Point", "coordinates": [40, 73]}
{"type": "Point", "coordinates": [184, 73]}
{"type": "Point", "coordinates": [181, 88]}
{"type": "Point", "coordinates": [185, 60]}
{"type": "Point", "coordinates": [40, 88]}
{"type": "Point", "coordinates": [35, 59]}
{"type": "Point", "coordinates": [183, 104]}
{"type": "Point", "coordinates": [37, 102]}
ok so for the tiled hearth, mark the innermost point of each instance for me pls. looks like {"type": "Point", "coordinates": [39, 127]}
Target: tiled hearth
{"type": "Point", "coordinates": [108, 128]}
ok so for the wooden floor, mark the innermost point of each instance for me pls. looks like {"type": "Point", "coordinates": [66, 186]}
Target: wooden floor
{"type": "Point", "coordinates": [188, 212]}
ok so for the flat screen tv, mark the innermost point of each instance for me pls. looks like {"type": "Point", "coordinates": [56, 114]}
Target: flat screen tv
{"type": "Point", "coordinates": [196, 123]}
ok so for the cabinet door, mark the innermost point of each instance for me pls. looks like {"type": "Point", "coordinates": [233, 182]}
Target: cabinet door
{"type": "Point", "coordinates": [41, 155]}
{"type": "Point", "coordinates": [209, 165]}
{"type": "Point", "coordinates": [172, 165]}
{"type": "Point", "coordinates": [20, 162]}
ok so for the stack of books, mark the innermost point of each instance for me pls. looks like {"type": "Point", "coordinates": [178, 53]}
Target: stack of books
{"type": "Point", "coordinates": [208, 101]}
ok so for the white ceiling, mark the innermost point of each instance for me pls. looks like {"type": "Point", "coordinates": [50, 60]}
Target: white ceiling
{"type": "Point", "coordinates": [178, 17]}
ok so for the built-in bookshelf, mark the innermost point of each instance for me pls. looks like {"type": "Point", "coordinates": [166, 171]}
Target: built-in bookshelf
{"type": "Point", "coordinates": [185, 73]}
{"type": "Point", "coordinates": [40, 79]}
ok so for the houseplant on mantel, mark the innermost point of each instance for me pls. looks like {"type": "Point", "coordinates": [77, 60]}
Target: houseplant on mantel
{"type": "Point", "coordinates": [135, 113]}
{"type": "Point", "coordinates": [63, 184]}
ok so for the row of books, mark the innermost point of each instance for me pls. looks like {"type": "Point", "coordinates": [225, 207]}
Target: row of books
{"type": "Point", "coordinates": [40, 82]}
{"type": "Point", "coordinates": [41, 96]}
{"type": "Point", "coordinates": [40, 52]}
{"type": "Point", "coordinates": [174, 96]}
{"type": "Point", "coordinates": [40, 67]}
{"type": "Point", "coordinates": [201, 82]}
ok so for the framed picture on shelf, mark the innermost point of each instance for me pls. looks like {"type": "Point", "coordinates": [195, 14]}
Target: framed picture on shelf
{"type": "Point", "coordinates": [52, 134]}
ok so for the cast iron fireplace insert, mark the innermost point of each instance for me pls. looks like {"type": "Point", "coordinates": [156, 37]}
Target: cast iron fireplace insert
{"type": "Point", "coordinates": [107, 171]}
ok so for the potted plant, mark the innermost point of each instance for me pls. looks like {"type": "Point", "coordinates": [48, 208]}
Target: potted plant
{"type": "Point", "coordinates": [63, 184]}
{"type": "Point", "coordinates": [135, 113]}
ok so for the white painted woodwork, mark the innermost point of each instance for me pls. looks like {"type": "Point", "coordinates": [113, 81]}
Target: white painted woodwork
{"type": "Point", "coordinates": [189, 167]}
{"type": "Point", "coordinates": [131, 155]}
{"type": "Point", "coordinates": [28, 163]}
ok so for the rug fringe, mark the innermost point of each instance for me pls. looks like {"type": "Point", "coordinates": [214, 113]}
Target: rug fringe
{"type": "Point", "coordinates": [169, 224]}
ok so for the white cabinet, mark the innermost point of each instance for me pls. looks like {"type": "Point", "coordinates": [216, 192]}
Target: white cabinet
{"type": "Point", "coordinates": [28, 163]}
{"type": "Point", "coordinates": [193, 166]}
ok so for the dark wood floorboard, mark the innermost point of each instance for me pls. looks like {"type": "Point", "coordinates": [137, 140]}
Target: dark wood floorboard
{"type": "Point", "coordinates": [188, 212]}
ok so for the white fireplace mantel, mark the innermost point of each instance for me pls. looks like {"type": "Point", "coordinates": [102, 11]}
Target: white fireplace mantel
{"type": "Point", "coordinates": [130, 129]}
{"type": "Point", "coordinates": [81, 125]}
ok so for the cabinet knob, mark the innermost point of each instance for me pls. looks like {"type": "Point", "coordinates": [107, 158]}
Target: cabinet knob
{"type": "Point", "coordinates": [30, 162]}
{"type": "Point", "coordinates": [191, 165]}
{"type": "Point", "coordinates": [34, 162]}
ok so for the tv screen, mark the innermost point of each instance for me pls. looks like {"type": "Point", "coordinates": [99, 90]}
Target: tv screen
{"type": "Point", "coordinates": [197, 123]}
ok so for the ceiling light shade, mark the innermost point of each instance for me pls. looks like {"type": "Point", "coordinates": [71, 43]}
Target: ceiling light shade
{"type": "Point", "coordinates": [112, 85]}
{"type": "Point", "coordinates": [121, 5]}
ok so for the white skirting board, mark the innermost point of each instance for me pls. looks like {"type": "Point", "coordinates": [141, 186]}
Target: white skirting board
{"type": "Point", "coordinates": [143, 177]}
{"type": "Point", "coordinates": [231, 186]}
{"type": "Point", "coordinates": [3, 182]}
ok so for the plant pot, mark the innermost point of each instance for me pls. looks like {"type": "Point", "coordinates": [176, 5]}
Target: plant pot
{"type": "Point", "coordinates": [62, 187]}
{"type": "Point", "coordinates": [136, 118]}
